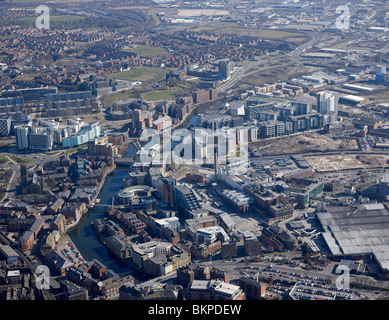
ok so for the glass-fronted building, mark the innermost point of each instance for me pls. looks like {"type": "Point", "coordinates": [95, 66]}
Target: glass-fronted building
{"type": "Point", "coordinates": [87, 133]}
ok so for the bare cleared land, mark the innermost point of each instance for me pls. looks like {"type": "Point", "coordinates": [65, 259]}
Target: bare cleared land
{"type": "Point", "coordinates": [346, 162]}
{"type": "Point", "coordinates": [276, 74]}
{"type": "Point", "coordinates": [202, 12]}
{"type": "Point", "coordinates": [302, 143]}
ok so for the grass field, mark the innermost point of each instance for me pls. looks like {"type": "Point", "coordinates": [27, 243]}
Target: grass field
{"type": "Point", "coordinates": [266, 34]}
{"type": "Point", "coordinates": [147, 51]}
{"type": "Point", "coordinates": [50, 153]}
{"type": "Point", "coordinates": [68, 151]}
{"type": "Point", "coordinates": [109, 98]}
{"type": "Point", "coordinates": [340, 44]}
{"type": "Point", "coordinates": [234, 28]}
{"type": "Point", "coordinates": [144, 74]}
{"type": "Point", "coordinates": [180, 89]}
{"type": "Point", "coordinates": [276, 74]}
{"type": "Point", "coordinates": [158, 95]}
{"type": "Point", "coordinates": [204, 28]}
{"type": "Point", "coordinates": [4, 160]}
{"type": "Point", "coordinates": [202, 12]}
{"type": "Point", "coordinates": [8, 36]}
{"type": "Point", "coordinates": [21, 160]}
{"type": "Point", "coordinates": [134, 94]}
{"type": "Point", "coordinates": [55, 21]}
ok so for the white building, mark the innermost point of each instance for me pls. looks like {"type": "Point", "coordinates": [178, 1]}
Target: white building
{"type": "Point", "coordinates": [147, 250]}
{"type": "Point", "coordinates": [237, 109]}
{"type": "Point", "coordinates": [172, 223]}
{"type": "Point", "coordinates": [327, 102]}
{"type": "Point", "coordinates": [21, 133]}
{"type": "Point", "coordinates": [211, 234]}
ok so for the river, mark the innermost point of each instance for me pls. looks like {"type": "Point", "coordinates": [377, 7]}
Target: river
{"type": "Point", "coordinates": [83, 235]}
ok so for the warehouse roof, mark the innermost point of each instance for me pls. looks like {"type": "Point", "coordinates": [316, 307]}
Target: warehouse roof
{"type": "Point", "coordinates": [357, 230]}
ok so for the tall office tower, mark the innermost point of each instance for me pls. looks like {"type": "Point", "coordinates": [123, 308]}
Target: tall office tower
{"type": "Point", "coordinates": [5, 126]}
{"type": "Point", "coordinates": [21, 133]}
{"type": "Point", "coordinates": [327, 101]}
{"type": "Point", "coordinates": [327, 104]}
{"type": "Point", "coordinates": [225, 68]}
{"type": "Point", "coordinates": [301, 108]}
{"type": "Point", "coordinates": [380, 73]}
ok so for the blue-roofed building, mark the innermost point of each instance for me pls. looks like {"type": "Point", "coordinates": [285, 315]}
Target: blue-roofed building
{"type": "Point", "coordinates": [87, 133]}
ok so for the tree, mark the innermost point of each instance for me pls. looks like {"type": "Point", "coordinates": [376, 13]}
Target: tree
{"type": "Point", "coordinates": [306, 253]}
{"type": "Point", "coordinates": [51, 183]}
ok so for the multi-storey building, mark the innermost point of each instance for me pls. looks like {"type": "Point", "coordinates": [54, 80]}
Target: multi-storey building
{"type": "Point", "coordinates": [40, 141]}
{"type": "Point", "coordinates": [252, 246]}
{"type": "Point", "coordinates": [22, 133]}
{"type": "Point", "coordinates": [5, 126]}
{"type": "Point", "coordinates": [86, 133]}
{"type": "Point", "coordinates": [204, 95]}
{"type": "Point", "coordinates": [214, 290]}
{"type": "Point", "coordinates": [184, 199]}
{"type": "Point", "coordinates": [271, 129]}
{"type": "Point", "coordinates": [163, 123]}
{"type": "Point", "coordinates": [144, 251]}
{"type": "Point", "coordinates": [252, 288]}
{"type": "Point", "coordinates": [225, 68]}
{"type": "Point", "coordinates": [327, 102]}
{"type": "Point", "coordinates": [11, 104]}
{"type": "Point", "coordinates": [30, 94]}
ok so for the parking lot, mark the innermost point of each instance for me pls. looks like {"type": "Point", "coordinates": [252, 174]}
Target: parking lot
{"type": "Point", "coordinates": [370, 142]}
{"type": "Point", "coordinates": [285, 274]}
{"type": "Point", "coordinates": [299, 286]}
{"type": "Point", "coordinates": [314, 291]}
{"type": "Point", "coordinates": [69, 251]}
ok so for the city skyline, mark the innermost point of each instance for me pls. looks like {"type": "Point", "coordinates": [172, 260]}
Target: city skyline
{"type": "Point", "coordinates": [194, 151]}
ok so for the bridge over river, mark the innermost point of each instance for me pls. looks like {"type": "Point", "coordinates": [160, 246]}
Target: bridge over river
{"type": "Point", "coordinates": [124, 161]}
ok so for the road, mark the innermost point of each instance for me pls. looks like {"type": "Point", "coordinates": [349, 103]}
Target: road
{"type": "Point", "coordinates": [255, 66]}
{"type": "Point", "coordinates": [234, 268]}
{"type": "Point", "coordinates": [12, 184]}
{"type": "Point", "coordinates": [46, 293]}
{"type": "Point", "coordinates": [15, 178]}
{"type": "Point", "coordinates": [164, 278]}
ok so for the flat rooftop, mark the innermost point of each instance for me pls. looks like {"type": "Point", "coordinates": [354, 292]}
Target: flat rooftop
{"type": "Point", "coordinates": [353, 98]}
{"type": "Point", "coordinates": [357, 230]}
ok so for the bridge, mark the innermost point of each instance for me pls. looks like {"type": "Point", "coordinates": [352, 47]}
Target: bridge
{"type": "Point", "coordinates": [107, 206]}
{"type": "Point", "coordinates": [124, 160]}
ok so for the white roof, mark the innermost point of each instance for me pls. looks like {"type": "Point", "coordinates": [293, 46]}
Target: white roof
{"type": "Point", "coordinates": [353, 98]}
{"type": "Point", "coordinates": [13, 273]}
{"type": "Point", "coordinates": [227, 288]}
{"type": "Point", "coordinates": [161, 120]}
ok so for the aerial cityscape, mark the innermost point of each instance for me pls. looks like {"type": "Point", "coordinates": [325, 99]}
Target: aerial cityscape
{"type": "Point", "coordinates": [194, 150]}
